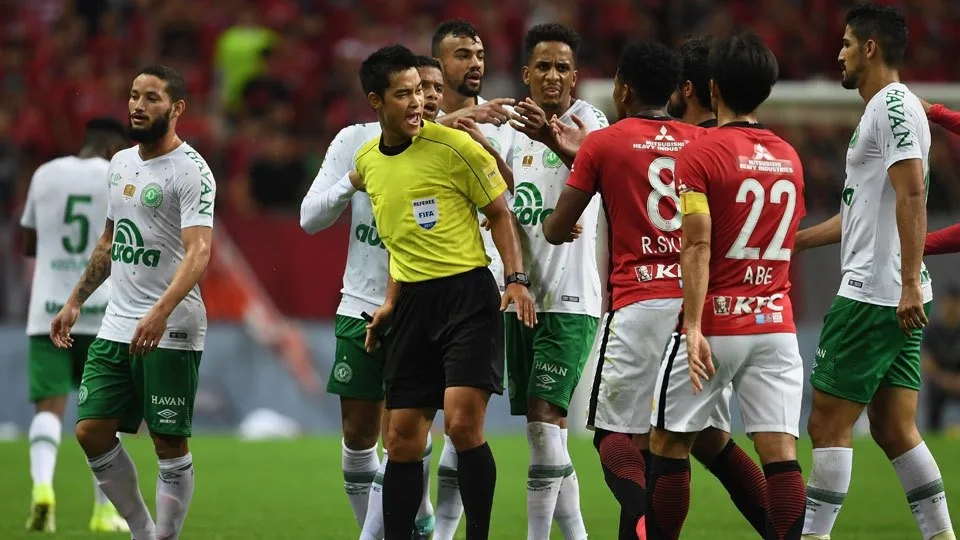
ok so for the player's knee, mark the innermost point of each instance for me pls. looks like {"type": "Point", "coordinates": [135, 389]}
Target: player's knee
{"type": "Point", "coordinates": [895, 439]}
{"type": "Point", "coordinates": [464, 431]}
{"type": "Point", "coordinates": [405, 443]}
{"type": "Point", "coordinates": [670, 444]}
{"type": "Point", "coordinates": [169, 446]}
{"type": "Point", "coordinates": [55, 405]}
{"type": "Point", "coordinates": [95, 437]}
{"type": "Point", "coordinates": [360, 431]}
{"type": "Point", "coordinates": [775, 447]}
{"type": "Point", "coordinates": [827, 430]}
{"type": "Point", "coordinates": [539, 410]}
{"type": "Point", "coordinates": [709, 444]}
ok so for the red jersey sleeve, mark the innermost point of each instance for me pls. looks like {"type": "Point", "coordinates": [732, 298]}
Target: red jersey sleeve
{"type": "Point", "coordinates": [691, 171]}
{"type": "Point", "coordinates": [943, 241]}
{"type": "Point", "coordinates": [945, 118]}
{"type": "Point", "coordinates": [585, 173]}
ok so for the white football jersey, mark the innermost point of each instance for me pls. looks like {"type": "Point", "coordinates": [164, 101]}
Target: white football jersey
{"type": "Point", "coordinates": [564, 278]}
{"type": "Point", "coordinates": [67, 207]}
{"type": "Point", "coordinates": [893, 128]}
{"type": "Point", "coordinates": [150, 203]}
{"type": "Point", "coordinates": [365, 276]}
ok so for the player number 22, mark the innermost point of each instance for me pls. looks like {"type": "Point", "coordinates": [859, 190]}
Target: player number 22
{"type": "Point", "coordinates": [775, 250]}
{"type": "Point", "coordinates": [660, 191]}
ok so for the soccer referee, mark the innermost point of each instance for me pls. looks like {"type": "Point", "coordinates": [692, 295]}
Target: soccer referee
{"type": "Point", "coordinates": [425, 182]}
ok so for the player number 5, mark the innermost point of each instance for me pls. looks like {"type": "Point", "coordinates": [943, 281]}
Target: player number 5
{"type": "Point", "coordinates": [71, 216]}
{"type": "Point", "coordinates": [661, 190]}
{"type": "Point", "coordinates": [775, 250]}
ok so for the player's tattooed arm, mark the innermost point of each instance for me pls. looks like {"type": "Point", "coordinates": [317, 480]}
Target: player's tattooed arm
{"type": "Point", "coordinates": [821, 234]}
{"type": "Point", "coordinates": [98, 268]}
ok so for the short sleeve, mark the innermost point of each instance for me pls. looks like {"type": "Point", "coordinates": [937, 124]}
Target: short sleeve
{"type": "Point", "coordinates": [197, 191]}
{"type": "Point", "coordinates": [110, 173]}
{"type": "Point", "coordinates": [585, 173]}
{"type": "Point", "coordinates": [594, 119]}
{"type": "Point", "coordinates": [29, 218]}
{"type": "Point", "coordinates": [480, 180]}
{"type": "Point", "coordinates": [691, 173]}
{"type": "Point", "coordinates": [898, 127]}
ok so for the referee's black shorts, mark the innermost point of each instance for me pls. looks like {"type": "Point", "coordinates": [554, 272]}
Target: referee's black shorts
{"type": "Point", "coordinates": [446, 332]}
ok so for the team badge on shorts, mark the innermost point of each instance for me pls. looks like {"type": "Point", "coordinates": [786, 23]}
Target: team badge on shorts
{"type": "Point", "coordinates": [644, 272]}
{"type": "Point", "coordinates": [721, 305]}
{"type": "Point", "coordinates": [342, 373]}
{"type": "Point", "coordinates": [152, 195]}
{"type": "Point", "coordinates": [82, 394]}
{"type": "Point", "coordinates": [426, 212]}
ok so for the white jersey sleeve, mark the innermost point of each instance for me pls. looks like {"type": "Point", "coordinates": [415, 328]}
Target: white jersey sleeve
{"type": "Point", "coordinates": [29, 218]}
{"type": "Point", "coordinates": [197, 192]}
{"type": "Point", "coordinates": [899, 135]}
{"type": "Point", "coordinates": [331, 190]}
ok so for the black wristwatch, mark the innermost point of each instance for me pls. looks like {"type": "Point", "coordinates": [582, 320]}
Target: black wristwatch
{"type": "Point", "coordinates": [517, 277]}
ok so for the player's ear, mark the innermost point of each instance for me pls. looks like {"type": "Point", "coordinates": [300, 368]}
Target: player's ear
{"type": "Point", "coordinates": [525, 75]}
{"type": "Point", "coordinates": [870, 49]}
{"type": "Point", "coordinates": [573, 84]}
{"type": "Point", "coordinates": [626, 94]}
{"type": "Point", "coordinates": [178, 107]}
{"type": "Point", "coordinates": [686, 89]}
{"type": "Point", "coordinates": [375, 101]}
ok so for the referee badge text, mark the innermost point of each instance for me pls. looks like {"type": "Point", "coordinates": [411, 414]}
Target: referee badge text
{"type": "Point", "coordinates": [426, 212]}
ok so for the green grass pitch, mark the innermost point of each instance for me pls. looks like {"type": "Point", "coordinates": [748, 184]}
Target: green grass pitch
{"type": "Point", "coordinates": [293, 490]}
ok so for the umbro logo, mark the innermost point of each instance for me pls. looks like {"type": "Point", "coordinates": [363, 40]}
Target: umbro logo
{"type": "Point", "coordinates": [166, 413]}
{"type": "Point", "coordinates": [545, 379]}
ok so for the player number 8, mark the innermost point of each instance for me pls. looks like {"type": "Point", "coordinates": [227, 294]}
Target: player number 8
{"type": "Point", "coordinates": [775, 250]}
{"type": "Point", "coordinates": [661, 190]}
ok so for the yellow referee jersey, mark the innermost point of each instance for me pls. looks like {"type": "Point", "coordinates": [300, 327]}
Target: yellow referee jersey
{"type": "Point", "coordinates": [425, 197]}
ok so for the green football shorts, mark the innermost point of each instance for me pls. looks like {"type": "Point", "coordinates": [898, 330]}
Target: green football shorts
{"type": "Point", "coordinates": [55, 372]}
{"type": "Point", "coordinates": [862, 348]}
{"type": "Point", "coordinates": [159, 388]}
{"type": "Point", "coordinates": [356, 374]}
{"type": "Point", "coordinates": [546, 361]}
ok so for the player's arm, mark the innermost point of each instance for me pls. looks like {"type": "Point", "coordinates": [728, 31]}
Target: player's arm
{"type": "Point", "coordinates": [911, 190]}
{"type": "Point", "coordinates": [470, 126]}
{"type": "Point", "coordinates": [98, 268]}
{"type": "Point", "coordinates": [695, 256]}
{"type": "Point", "coordinates": [946, 240]}
{"type": "Point", "coordinates": [942, 116]}
{"type": "Point", "coordinates": [821, 234]}
{"type": "Point", "coordinates": [331, 190]}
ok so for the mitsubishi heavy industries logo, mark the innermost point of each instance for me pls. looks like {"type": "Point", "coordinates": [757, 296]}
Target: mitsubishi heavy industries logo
{"type": "Point", "coordinates": [763, 161]}
{"type": "Point", "coordinates": [528, 205]}
{"type": "Point", "coordinates": [663, 141]}
{"type": "Point", "coordinates": [128, 246]}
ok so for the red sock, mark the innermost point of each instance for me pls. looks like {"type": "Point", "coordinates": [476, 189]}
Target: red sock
{"type": "Point", "coordinates": [668, 497]}
{"type": "Point", "coordinates": [744, 481]}
{"type": "Point", "coordinates": [786, 500]}
{"type": "Point", "coordinates": [624, 472]}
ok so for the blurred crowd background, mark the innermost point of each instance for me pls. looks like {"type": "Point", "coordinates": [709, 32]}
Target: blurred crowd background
{"type": "Point", "coordinates": [272, 81]}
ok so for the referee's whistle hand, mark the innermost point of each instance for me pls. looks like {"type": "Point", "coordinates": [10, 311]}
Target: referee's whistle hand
{"type": "Point", "coordinates": [518, 295]}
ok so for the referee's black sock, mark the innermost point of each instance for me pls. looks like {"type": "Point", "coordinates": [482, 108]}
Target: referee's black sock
{"type": "Point", "coordinates": [477, 472]}
{"type": "Point", "coordinates": [402, 492]}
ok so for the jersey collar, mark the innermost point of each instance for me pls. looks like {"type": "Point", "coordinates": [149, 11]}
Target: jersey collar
{"type": "Point", "coordinates": [750, 125]}
{"type": "Point", "coordinates": [711, 123]}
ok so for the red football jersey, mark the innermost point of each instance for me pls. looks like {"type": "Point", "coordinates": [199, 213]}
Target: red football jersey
{"type": "Point", "coordinates": [631, 165]}
{"type": "Point", "coordinates": [753, 181]}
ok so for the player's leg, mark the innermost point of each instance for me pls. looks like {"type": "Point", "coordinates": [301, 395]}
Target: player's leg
{"type": "Point", "coordinates": [50, 373]}
{"type": "Point", "coordinates": [167, 380]}
{"type": "Point", "coordinates": [676, 417]}
{"type": "Point", "coordinates": [769, 387]}
{"type": "Point", "coordinates": [449, 505]}
{"type": "Point", "coordinates": [414, 380]}
{"type": "Point", "coordinates": [559, 350]}
{"type": "Point", "coordinates": [107, 402]}
{"type": "Point", "coordinates": [736, 471]}
{"type": "Point", "coordinates": [471, 341]}
{"type": "Point", "coordinates": [628, 353]}
{"type": "Point", "coordinates": [857, 345]}
{"type": "Point", "coordinates": [357, 377]}
{"type": "Point", "coordinates": [893, 414]}
{"type": "Point", "coordinates": [372, 526]}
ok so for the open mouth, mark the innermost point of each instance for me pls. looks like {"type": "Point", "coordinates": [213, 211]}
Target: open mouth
{"type": "Point", "coordinates": [412, 119]}
{"type": "Point", "coordinates": [474, 78]}
{"type": "Point", "coordinates": [551, 92]}
{"type": "Point", "coordinates": [430, 107]}
{"type": "Point", "coordinates": [138, 119]}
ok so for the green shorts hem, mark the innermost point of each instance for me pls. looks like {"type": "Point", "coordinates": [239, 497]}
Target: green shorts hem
{"type": "Point", "coordinates": [355, 374]}
{"type": "Point", "coordinates": [54, 372]}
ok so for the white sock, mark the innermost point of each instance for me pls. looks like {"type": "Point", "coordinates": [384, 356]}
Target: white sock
{"type": "Point", "coordinates": [359, 468]}
{"type": "Point", "coordinates": [921, 480]}
{"type": "Point", "coordinates": [826, 488]}
{"type": "Point", "coordinates": [544, 477]}
{"type": "Point", "coordinates": [99, 497]}
{"type": "Point", "coordinates": [449, 506]}
{"type": "Point", "coordinates": [567, 513]}
{"type": "Point", "coordinates": [118, 479]}
{"type": "Point", "coordinates": [174, 493]}
{"type": "Point", "coordinates": [426, 508]}
{"type": "Point", "coordinates": [373, 522]}
{"type": "Point", "coordinates": [45, 434]}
